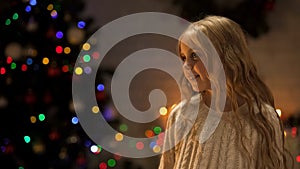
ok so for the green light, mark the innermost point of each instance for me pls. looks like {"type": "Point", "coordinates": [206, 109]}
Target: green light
{"type": "Point", "coordinates": [123, 127]}
{"type": "Point", "coordinates": [13, 65]}
{"type": "Point", "coordinates": [86, 58]}
{"type": "Point", "coordinates": [15, 16]}
{"type": "Point", "coordinates": [26, 139]}
{"type": "Point", "coordinates": [42, 117]}
{"type": "Point", "coordinates": [157, 130]}
{"type": "Point", "coordinates": [7, 22]}
{"type": "Point", "coordinates": [111, 162]}
{"type": "Point", "coordinates": [21, 167]}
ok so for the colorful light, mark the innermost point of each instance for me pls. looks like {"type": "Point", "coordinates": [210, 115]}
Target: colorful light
{"type": "Point", "coordinates": [95, 149]}
{"type": "Point", "coordinates": [102, 165]}
{"type": "Point", "coordinates": [152, 144]}
{"type": "Point", "coordinates": [96, 55]}
{"type": "Point", "coordinates": [45, 61]}
{"type": "Point", "coordinates": [100, 87]}
{"type": "Point", "coordinates": [81, 24]}
{"type": "Point", "coordinates": [33, 119]}
{"type": "Point", "coordinates": [123, 127]}
{"type": "Point", "coordinates": [24, 67]}
{"type": "Point", "coordinates": [9, 60]}
{"type": "Point", "coordinates": [86, 58]}
{"type": "Point", "coordinates": [139, 145]}
{"type": "Point", "coordinates": [59, 34]}
{"type": "Point", "coordinates": [67, 50]}
{"type": "Point", "coordinates": [53, 14]}
{"type": "Point", "coordinates": [59, 49]}
{"type": "Point", "coordinates": [75, 120]}
{"type": "Point", "coordinates": [278, 112]}
{"type": "Point", "coordinates": [157, 130]}
{"type": "Point", "coordinates": [42, 117]}
{"type": "Point", "coordinates": [65, 68]}
{"type": "Point", "coordinates": [15, 16]}
{"type": "Point", "coordinates": [21, 167]}
{"type": "Point", "coordinates": [111, 162]}
{"type": "Point", "coordinates": [298, 158]}
{"type": "Point", "coordinates": [294, 131]}
{"type": "Point", "coordinates": [163, 111]}
{"type": "Point", "coordinates": [78, 70]}
{"type": "Point", "coordinates": [156, 149]}
{"type": "Point", "coordinates": [13, 65]}
{"type": "Point", "coordinates": [86, 46]}
{"type": "Point", "coordinates": [2, 71]}
{"type": "Point", "coordinates": [28, 8]}
{"type": "Point", "coordinates": [149, 133]}
{"type": "Point", "coordinates": [32, 2]}
{"type": "Point", "coordinates": [88, 70]}
{"type": "Point", "coordinates": [50, 7]}
{"type": "Point", "coordinates": [27, 139]}
{"type": "Point", "coordinates": [29, 61]}
{"type": "Point", "coordinates": [7, 22]}
{"type": "Point", "coordinates": [119, 136]}
{"type": "Point", "coordinates": [95, 109]}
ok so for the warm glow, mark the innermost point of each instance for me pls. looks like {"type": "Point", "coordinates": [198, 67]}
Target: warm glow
{"type": "Point", "coordinates": [86, 46]}
{"type": "Point", "coordinates": [45, 61]}
{"type": "Point", "coordinates": [119, 136]}
{"type": "Point", "coordinates": [163, 111]}
{"type": "Point", "coordinates": [278, 112]}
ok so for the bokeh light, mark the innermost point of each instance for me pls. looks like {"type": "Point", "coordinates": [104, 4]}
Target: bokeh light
{"type": "Point", "coordinates": [13, 65]}
{"type": "Point", "coordinates": [119, 136]}
{"type": "Point", "coordinates": [65, 68]}
{"type": "Point", "coordinates": [100, 87]}
{"type": "Point", "coordinates": [163, 111]}
{"type": "Point", "coordinates": [75, 120]}
{"type": "Point", "coordinates": [152, 144]}
{"type": "Point", "coordinates": [278, 112]}
{"type": "Point", "coordinates": [111, 162]}
{"type": "Point", "coordinates": [24, 67]}
{"type": "Point", "coordinates": [86, 46]}
{"type": "Point", "coordinates": [78, 70]}
{"type": "Point", "coordinates": [45, 61]}
{"type": "Point", "coordinates": [123, 127]}
{"type": "Point", "coordinates": [67, 50]}
{"type": "Point", "coordinates": [157, 130]}
{"type": "Point", "coordinates": [88, 70]}
{"type": "Point", "coordinates": [102, 165]}
{"type": "Point", "coordinates": [95, 109]}
{"type": "Point", "coordinates": [96, 149]}
{"type": "Point", "coordinates": [81, 24]}
{"type": "Point", "coordinates": [42, 117]}
{"type": "Point", "coordinates": [32, 2]}
{"type": "Point", "coordinates": [149, 133]}
{"type": "Point", "coordinates": [15, 16]}
{"type": "Point", "coordinates": [54, 14]}
{"type": "Point", "coordinates": [59, 34]}
{"type": "Point", "coordinates": [59, 49]}
{"type": "Point", "coordinates": [95, 55]}
{"type": "Point", "coordinates": [33, 119]}
{"type": "Point", "coordinates": [50, 7]}
{"type": "Point", "coordinates": [28, 8]}
{"type": "Point", "coordinates": [7, 22]}
{"type": "Point", "coordinates": [139, 145]}
{"type": "Point", "coordinates": [2, 71]}
{"type": "Point", "coordinates": [86, 58]}
{"type": "Point", "coordinates": [298, 158]}
{"type": "Point", "coordinates": [156, 149]}
{"type": "Point", "coordinates": [29, 61]}
{"type": "Point", "coordinates": [27, 139]}
{"type": "Point", "coordinates": [9, 60]}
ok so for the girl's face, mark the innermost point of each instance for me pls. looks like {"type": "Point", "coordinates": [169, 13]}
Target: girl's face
{"type": "Point", "coordinates": [194, 70]}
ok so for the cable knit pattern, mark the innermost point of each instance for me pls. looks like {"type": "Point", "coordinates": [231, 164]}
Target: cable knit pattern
{"type": "Point", "coordinates": [221, 150]}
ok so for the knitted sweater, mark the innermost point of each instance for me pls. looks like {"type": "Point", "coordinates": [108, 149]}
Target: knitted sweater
{"type": "Point", "coordinates": [220, 150]}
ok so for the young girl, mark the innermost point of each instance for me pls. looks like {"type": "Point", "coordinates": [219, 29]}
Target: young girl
{"type": "Point", "coordinates": [249, 134]}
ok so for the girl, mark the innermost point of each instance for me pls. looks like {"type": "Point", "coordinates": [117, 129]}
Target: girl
{"type": "Point", "coordinates": [250, 132]}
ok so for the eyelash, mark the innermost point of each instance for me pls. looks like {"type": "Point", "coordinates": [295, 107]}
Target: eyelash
{"type": "Point", "coordinates": [193, 56]}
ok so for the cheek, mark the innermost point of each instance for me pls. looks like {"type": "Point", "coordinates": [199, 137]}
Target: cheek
{"type": "Point", "coordinates": [200, 69]}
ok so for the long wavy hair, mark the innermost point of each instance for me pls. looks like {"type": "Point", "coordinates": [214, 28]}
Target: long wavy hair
{"type": "Point", "coordinates": [243, 81]}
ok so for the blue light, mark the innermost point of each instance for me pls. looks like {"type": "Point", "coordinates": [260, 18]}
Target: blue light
{"type": "Point", "coordinates": [29, 61]}
{"type": "Point", "coordinates": [75, 120]}
{"type": "Point", "coordinates": [28, 8]}
{"type": "Point", "coordinates": [32, 2]}
{"type": "Point", "coordinates": [100, 87]}
{"type": "Point", "coordinates": [81, 24]}
{"type": "Point", "coordinates": [59, 34]}
{"type": "Point", "coordinates": [87, 143]}
{"type": "Point", "coordinates": [152, 144]}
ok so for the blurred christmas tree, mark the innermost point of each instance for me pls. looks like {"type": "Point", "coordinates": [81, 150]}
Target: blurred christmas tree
{"type": "Point", "coordinates": [39, 44]}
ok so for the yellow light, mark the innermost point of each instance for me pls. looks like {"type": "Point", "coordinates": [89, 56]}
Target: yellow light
{"type": "Point", "coordinates": [67, 50]}
{"type": "Point", "coordinates": [86, 46]}
{"type": "Point", "coordinates": [173, 106]}
{"type": "Point", "coordinates": [284, 133]}
{"type": "Point", "coordinates": [78, 70]}
{"type": "Point", "coordinates": [156, 149]}
{"type": "Point", "coordinates": [163, 111]}
{"type": "Point", "coordinates": [50, 7]}
{"type": "Point", "coordinates": [33, 119]}
{"type": "Point", "coordinates": [119, 136]}
{"type": "Point", "coordinates": [95, 109]}
{"type": "Point", "coordinates": [278, 112]}
{"type": "Point", "coordinates": [45, 61]}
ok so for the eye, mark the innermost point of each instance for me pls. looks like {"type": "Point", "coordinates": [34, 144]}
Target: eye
{"type": "Point", "coordinates": [182, 57]}
{"type": "Point", "coordinates": [194, 56]}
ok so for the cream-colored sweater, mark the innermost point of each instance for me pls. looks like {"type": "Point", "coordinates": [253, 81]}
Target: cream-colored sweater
{"type": "Point", "coordinates": [220, 150]}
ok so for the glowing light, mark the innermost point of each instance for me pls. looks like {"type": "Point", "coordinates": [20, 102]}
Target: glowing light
{"type": "Point", "coordinates": [88, 70]}
{"type": "Point", "coordinates": [123, 127]}
{"type": "Point", "coordinates": [21, 167]}
{"type": "Point", "coordinates": [95, 149]}
{"type": "Point", "coordinates": [42, 117]}
{"type": "Point", "coordinates": [81, 24]}
{"type": "Point", "coordinates": [163, 111]}
{"type": "Point", "coordinates": [32, 2]}
{"type": "Point", "coordinates": [33, 119]}
{"type": "Point", "coordinates": [9, 60]}
{"type": "Point", "coordinates": [294, 131]}
{"type": "Point", "coordinates": [75, 120]}
{"type": "Point", "coordinates": [59, 34]}
{"type": "Point", "coordinates": [67, 50]}
{"type": "Point", "coordinates": [78, 70]}
{"type": "Point", "coordinates": [100, 87]}
{"type": "Point", "coordinates": [284, 133]}
{"type": "Point", "coordinates": [59, 49]}
{"type": "Point", "coordinates": [95, 109]}
{"type": "Point", "coordinates": [156, 149]}
{"type": "Point", "coordinates": [28, 8]}
{"type": "Point", "coordinates": [111, 162]}
{"type": "Point", "coordinates": [278, 112]}
{"type": "Point", "coordinates": [13, 65]}
{"type": "Point", "coordinates": [53, 14]}
{"type": "Point", "coordinates": [45, 61]}
{"type": "Point", "coordinates": [86, 58]}
{"type": "Point", "coordinates": [139, 145]}
{"type": "Point", "coordinates": [157, 130]}
{"type": "Point", "coordinates": [96, 55]}
{"type": "Point", "coordinates": [152, 144]}
{"type": "Point", "coordinates": [298, 158]}
{"type": "Point", "coordinates": [86, 46]}
{"type": "Point", "coordinates": [27, 139]}
{"type": "Point", "coordinates": [119, 136]}
{"type": "Point", "coordinates": [15, 16]}
{"type": "Point", "coordinates": [65, 68]}
{"type": "Point", "coordinates": [24, 67]}
{"type": "Point", "coordinates": [149, 133]}
{"type": "Point", "coordinates": [173, 106]}
{"type": "Point", "coordinates": [7, 22]}
{"type": "Point", "coordinates": [102, 165]}
{"type": "Point", "coordinates": [50, 7]}
{"type": "Point", "coordinates": [29, 61]}
{"type": "Point", "coordinates": [2, 71]}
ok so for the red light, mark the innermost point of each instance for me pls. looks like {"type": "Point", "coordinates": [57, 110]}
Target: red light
{"type": "Point", "coordinates": [139, 145]}
{"type": "Point", "coordinates": [298, 158]}
{"type": "Point", "coordinates": [65, 68]}
{"type": "Point", "coordinates": [294, 131]}
{"type": "Point", "coordinates": [102, 165]}
{"type": "Point", "coordinates": [2, 71]}
{"type": "Point", "coordinates": [59, 49]}
{"type": "Point", "coordinates": [24, 67]}
{"type": "Point", "coordinates": [9, 60]}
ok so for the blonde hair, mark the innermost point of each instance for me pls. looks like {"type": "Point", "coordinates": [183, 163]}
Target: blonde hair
{"type": "Point", "coordinates": [242, 80]}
